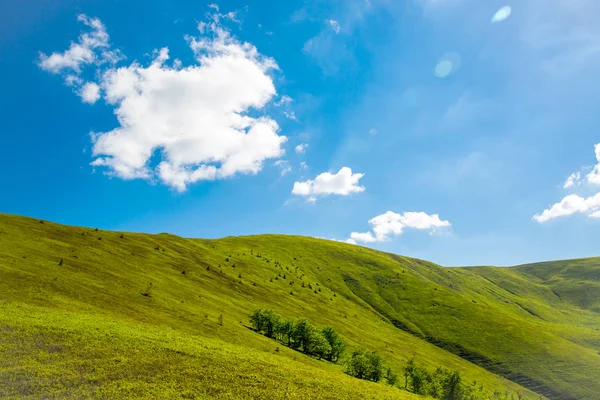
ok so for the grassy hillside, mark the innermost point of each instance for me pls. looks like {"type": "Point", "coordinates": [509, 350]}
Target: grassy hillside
{"type": "Point", "coordinates": [82, 327]}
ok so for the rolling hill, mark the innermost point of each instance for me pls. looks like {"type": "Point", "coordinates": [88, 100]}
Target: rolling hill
{"type": "Point", "coordinates": [74, 322]}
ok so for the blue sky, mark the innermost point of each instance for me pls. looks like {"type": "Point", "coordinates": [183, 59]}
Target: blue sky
{"type": "Point", "coordinates": [457, 131]}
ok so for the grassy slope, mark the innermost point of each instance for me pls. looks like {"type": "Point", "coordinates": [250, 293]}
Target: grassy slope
{"type": "Point", "coordinates": [88, 320]}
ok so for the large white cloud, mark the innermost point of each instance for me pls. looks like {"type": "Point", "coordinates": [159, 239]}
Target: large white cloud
{"type": "Point", "coordinates": [571, 204]}
{"type": "Point", "coordinates": [182, 124]}
{"type": "Point", "coordinates": [391, 223]}
{"type": "Point", "coordinates": [342, 183]}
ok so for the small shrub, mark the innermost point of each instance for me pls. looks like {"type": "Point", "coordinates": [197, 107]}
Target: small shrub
{"type": "Point", "coordinates": [148, 292]}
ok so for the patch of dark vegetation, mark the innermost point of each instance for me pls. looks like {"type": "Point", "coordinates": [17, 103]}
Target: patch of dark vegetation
{"type": "Point", "coordinates": [529, 311]}
{"type": "Point", "coordinates": [327, 343]}
{"type": "Point", "coordinates": [148, 291]}
{"type": "Point", "coordinates": [499, 369]}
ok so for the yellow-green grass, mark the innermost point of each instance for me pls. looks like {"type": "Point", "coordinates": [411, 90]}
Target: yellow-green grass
{"type": "Point", "coordinates": [170, 344]}
{"type": "Point", "coordinates": [50, 354]}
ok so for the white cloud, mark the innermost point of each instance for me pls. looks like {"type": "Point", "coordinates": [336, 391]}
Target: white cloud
{"type": "Point", "coordinates": [334, 25]}
{"type": "Point", "coordinates": [573, 180]}
{"type": "Point", "coordinates": [290, 115]}
{"type": "Point", "coordinates": [372, 131]}
{"type": "Point", "coordinates": [285, 99]}
{"type": "Point", "coordinates": [366, 237]}
{"type": "Point", "coordinates": [343, 183]}
{"type": "Point", "coordinates": [92, 47]}
{"type": "Point", "coordinates": [392, 223]}
{"type": "Point", "coordinates": [284, 167]}
{"type": "Point", "coordinates": [571, 204]}
{"type": "Point", "coordinates": [194, 117]}
{"type": "Point", "coordinates": [90, 93]}
{"type": "Point", "coordinates": [594, 175]}
{"type": "Point", "coordinates": [303, 165]}
{"type": "Point", "coordinates": [301, 148]}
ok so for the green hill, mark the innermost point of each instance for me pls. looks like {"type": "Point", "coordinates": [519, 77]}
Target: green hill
{"type": "Point", "coordinates": [74, 322]}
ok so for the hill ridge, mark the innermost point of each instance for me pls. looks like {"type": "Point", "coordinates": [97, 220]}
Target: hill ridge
{"type": "Point", "coordinates": [482, 310]}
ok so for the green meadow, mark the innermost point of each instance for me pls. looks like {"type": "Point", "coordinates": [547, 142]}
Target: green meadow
{"type": "Point", "coordinates": [87, 313]}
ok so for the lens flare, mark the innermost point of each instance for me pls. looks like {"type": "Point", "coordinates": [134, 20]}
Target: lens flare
{"type": "Point", "coordinates": [502, 14]}
{"type": "Point", "coordinates": [447, 65]}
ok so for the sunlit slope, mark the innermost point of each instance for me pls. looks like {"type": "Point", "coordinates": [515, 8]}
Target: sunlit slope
{"type": "Point", "coordinates": [573, 281]}
{"type": "Point", "coordinates": [465, 311]}
{"type": "Point", "coordinates": [86, 316]}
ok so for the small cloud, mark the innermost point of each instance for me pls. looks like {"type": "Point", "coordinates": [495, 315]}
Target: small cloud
{"type": "Point", "coordinates": [342, 183]}
{"type": "Point", "coordinates": [301, 148]}
{"type": "Point", "coordinates": [573, 180]}
{"type": "Point", "coordinates": [366, 237]}
{"type": "Point", "coordinates": [290, 115]}
{"type": "Point", "coordinates": [502, 14]}
{"type": "Point", "coordinates": [392, 223]}
{"type": "Point", "coordinates": [284, 167]}
{"type": "Point", "coordinates": [303, 165]}
{"type": "Point", "coordinates": [594, 176]}
{"type": "Point", "coordinates": [571, 204]}
{"type": "Point", "coordinates": [372, 131]}
{"type": "Point", "coordinates": [284, 100]}
{"type": "Point", "coordinates": [90, 93]}
{"type": "Point", "coordinates": [334, 25]}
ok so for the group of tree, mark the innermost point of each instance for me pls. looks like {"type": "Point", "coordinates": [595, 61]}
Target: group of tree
{"type": "Point", "coordinates": [299, 334]}
{"type": "Point", "coordinates": [328, 344]}
{"type": "Point", "coordinates": [447, 385]}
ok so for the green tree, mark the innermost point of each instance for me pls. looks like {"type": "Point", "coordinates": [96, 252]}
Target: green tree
{"type": "Point", "coordinates": [453, 387]}
{"type": "Point", "coordinates": [419, 379]}
{"type": "Point", "coordinates": [366, 365]}
{"type": "Point", "coordinates": [358, 364]}
{"type": "Point", "coordinates": [303, 335]}
{"type": "Point", "coordinates": [319, 346]}
{"type": "Point", "coordinates": [436, 386]}
{"type": "Point", "coordinates": [391, 377]}
{"type": "Point", "coordinates": [271, 320]}
{"type": "Point", "coordinates": [258, 320]}
{"type": "Point", "coordinates": [408, 370]}
{"type": "Point", "coordinates": [286, 330]}
{"type": "Point", "coordinates": [335, 342]}
{"type": "Point", "coordinates": [375, 366]}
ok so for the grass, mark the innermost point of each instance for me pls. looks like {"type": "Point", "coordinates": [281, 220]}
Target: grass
{"type": "Point", "coordinates": [84, 329]}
